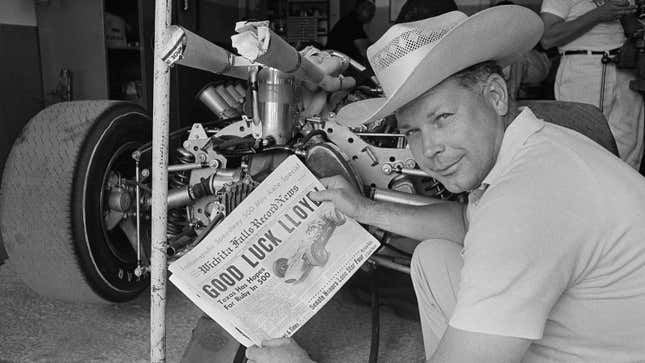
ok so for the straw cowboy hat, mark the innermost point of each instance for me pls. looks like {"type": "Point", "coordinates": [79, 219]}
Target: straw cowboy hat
{"type": "Point", "coordinates": [411, 58]}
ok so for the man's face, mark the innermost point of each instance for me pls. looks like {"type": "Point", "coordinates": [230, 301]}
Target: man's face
{"type": "Point", "coordinates": [454, 133]}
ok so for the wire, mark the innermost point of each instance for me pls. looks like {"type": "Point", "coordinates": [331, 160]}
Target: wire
{"type": "Point", "coordinates": [312, 134]}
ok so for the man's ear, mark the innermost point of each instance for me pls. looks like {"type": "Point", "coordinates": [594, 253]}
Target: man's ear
{"type": "Point", "coordinates": [496, 93]}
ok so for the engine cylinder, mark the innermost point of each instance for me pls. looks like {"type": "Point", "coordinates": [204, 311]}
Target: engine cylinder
{"type": "Point", "coordinates": [278, 100]}
{"type": "Point", "coordinates": [214, 100]}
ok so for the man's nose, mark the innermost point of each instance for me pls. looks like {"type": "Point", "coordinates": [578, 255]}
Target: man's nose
{"type": "Point", "coordinates": [431, 146]}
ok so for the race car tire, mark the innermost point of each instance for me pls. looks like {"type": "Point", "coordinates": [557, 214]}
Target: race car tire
{"type": "Point", "coordinates": [50, 219]}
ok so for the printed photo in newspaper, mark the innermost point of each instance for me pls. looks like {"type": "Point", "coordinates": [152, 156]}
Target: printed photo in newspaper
{"type": "Point", "coordinates": [271, 264]}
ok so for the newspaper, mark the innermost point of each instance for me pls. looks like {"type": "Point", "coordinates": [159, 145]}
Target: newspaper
{"type": "Point", "coordinates": [275, 260]}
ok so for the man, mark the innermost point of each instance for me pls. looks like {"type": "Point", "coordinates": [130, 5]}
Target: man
{"type": "Point", "coordinates": [547, 261]}
{"type": "Point", "coordinates": [585, 32]}
{"type": "Point", "coordinates": [348, 35]}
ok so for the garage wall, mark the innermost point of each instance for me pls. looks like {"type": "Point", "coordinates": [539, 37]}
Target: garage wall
{"type": "Point", "coordinates": [18, 12]}
{"type": "Point", "coordinates": [20, 82]}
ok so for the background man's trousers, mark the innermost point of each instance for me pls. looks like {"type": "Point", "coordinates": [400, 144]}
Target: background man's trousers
{"type": "Point", "coordinates": [435, 271]}
{"type": "Point", "coordinates": [579, 79]}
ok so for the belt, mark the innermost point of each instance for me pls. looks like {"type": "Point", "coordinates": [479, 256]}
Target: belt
{"type": "Point", "coordinates": [591, 52]}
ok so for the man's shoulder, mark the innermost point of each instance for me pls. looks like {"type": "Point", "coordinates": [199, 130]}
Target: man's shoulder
{"type": "Point", "coordinates": [551, 162]}
{"type": "Point", "coordinates": [537, 150]}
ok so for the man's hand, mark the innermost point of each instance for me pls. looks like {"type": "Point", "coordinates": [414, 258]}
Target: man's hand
{"type": "Point", "coordinates": [282, 350]}
{"type": "Point", "coordinates": [613, 10]}
{"type": "Point", "coordinates": [343, 195]}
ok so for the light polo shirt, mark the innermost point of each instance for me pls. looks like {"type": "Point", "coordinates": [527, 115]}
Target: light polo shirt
{"type": "Point", "coordinates": [603, 36]}
{"type": "Point", "coordinates": [555, 249]}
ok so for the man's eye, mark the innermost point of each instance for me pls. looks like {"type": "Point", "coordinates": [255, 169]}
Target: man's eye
{"type": "Point", "coordinates": [442, 119]}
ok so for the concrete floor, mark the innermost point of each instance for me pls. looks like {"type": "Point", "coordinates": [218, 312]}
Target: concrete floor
{"type": "Point", "coordinates": [35, 329]}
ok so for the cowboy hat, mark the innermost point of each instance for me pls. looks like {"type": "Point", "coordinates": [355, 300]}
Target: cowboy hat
{"type": "Point", "coordinates": [411, 58]}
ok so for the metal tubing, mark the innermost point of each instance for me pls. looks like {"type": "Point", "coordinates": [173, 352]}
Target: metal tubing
{"type": "Point", "coordinates": [414, 172]}
{"type": "Point", "coordinates": [185, 167]}
{"type": "Point", "coordinates": [138, 197]}
{"type": "Point", "coordinates": [384, 195]}
{"type": "Point", "coordinates": [253, 74]}
{"type": "Point", "coordinates": [189, 49]}
{"type": "Point", "coordinates": [177, 244]}
{"type": "Point", "coordinates": [601, 102]}
{"type": "Point", "coordinates": [376, 134]}
{"type": "Point", "coordinates": [160, 135]}
{"type": "Point", "coordinates": [284, 57]}
{"type": "Point", "coordinates": [386, 262]}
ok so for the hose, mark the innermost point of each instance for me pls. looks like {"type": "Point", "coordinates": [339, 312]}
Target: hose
{"type": "Point", "coordinates": [312, 134]}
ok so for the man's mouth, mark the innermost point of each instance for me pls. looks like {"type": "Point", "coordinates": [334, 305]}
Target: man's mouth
{"type": "Point", "coordinates": [449, 169]}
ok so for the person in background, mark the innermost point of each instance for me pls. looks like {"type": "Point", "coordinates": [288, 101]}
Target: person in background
{"type": "Point", "coordinates": [588, 33]}
{"type": "Point", "coordinates": [414, 10]}
{"type": "Point", "coordinates": [348, 35]}
{"type": "Point", "coordinates": [541, 264]}
{"type": "Point", "coordinates": [527, 73]}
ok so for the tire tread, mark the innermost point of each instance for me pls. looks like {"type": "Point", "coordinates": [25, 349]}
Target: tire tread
{"type": "Point", "coordinates": [35, 200]}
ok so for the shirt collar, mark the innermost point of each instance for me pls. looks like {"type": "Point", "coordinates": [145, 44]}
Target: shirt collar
{"type": "Point", "coordinates": [523, 126]}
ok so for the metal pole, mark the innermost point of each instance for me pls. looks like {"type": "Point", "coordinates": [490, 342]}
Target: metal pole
{"type": "Point", "coordinates": [160, 132]}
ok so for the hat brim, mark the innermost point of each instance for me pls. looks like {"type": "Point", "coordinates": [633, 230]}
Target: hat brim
{"type": "Point", "coordinates": [515, 30]}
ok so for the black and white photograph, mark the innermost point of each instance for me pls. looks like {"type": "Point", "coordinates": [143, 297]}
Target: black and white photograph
{"type": "Point", "coordinates": [300, 181]}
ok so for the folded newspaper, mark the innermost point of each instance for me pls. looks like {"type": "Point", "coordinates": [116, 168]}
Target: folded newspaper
{"type": "Point", "coordinates": [271, 264]}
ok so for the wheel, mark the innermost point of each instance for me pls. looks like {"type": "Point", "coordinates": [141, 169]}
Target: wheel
{"type": "Point", "coordinates": [280, 266]}
{"type": "Point", "coordinates": [66, 172]}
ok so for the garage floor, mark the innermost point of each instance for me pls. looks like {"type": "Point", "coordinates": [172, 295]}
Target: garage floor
{"type": "Point", "coordinates": [35, 329]}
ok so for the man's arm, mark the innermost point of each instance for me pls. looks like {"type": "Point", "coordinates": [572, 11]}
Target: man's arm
{"type": "Point", "coordinates": [444, 220]}
{"type": "Point", "coordinates": [462, 346]}
{"type": "Point", "coordinates": [558, 32]}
